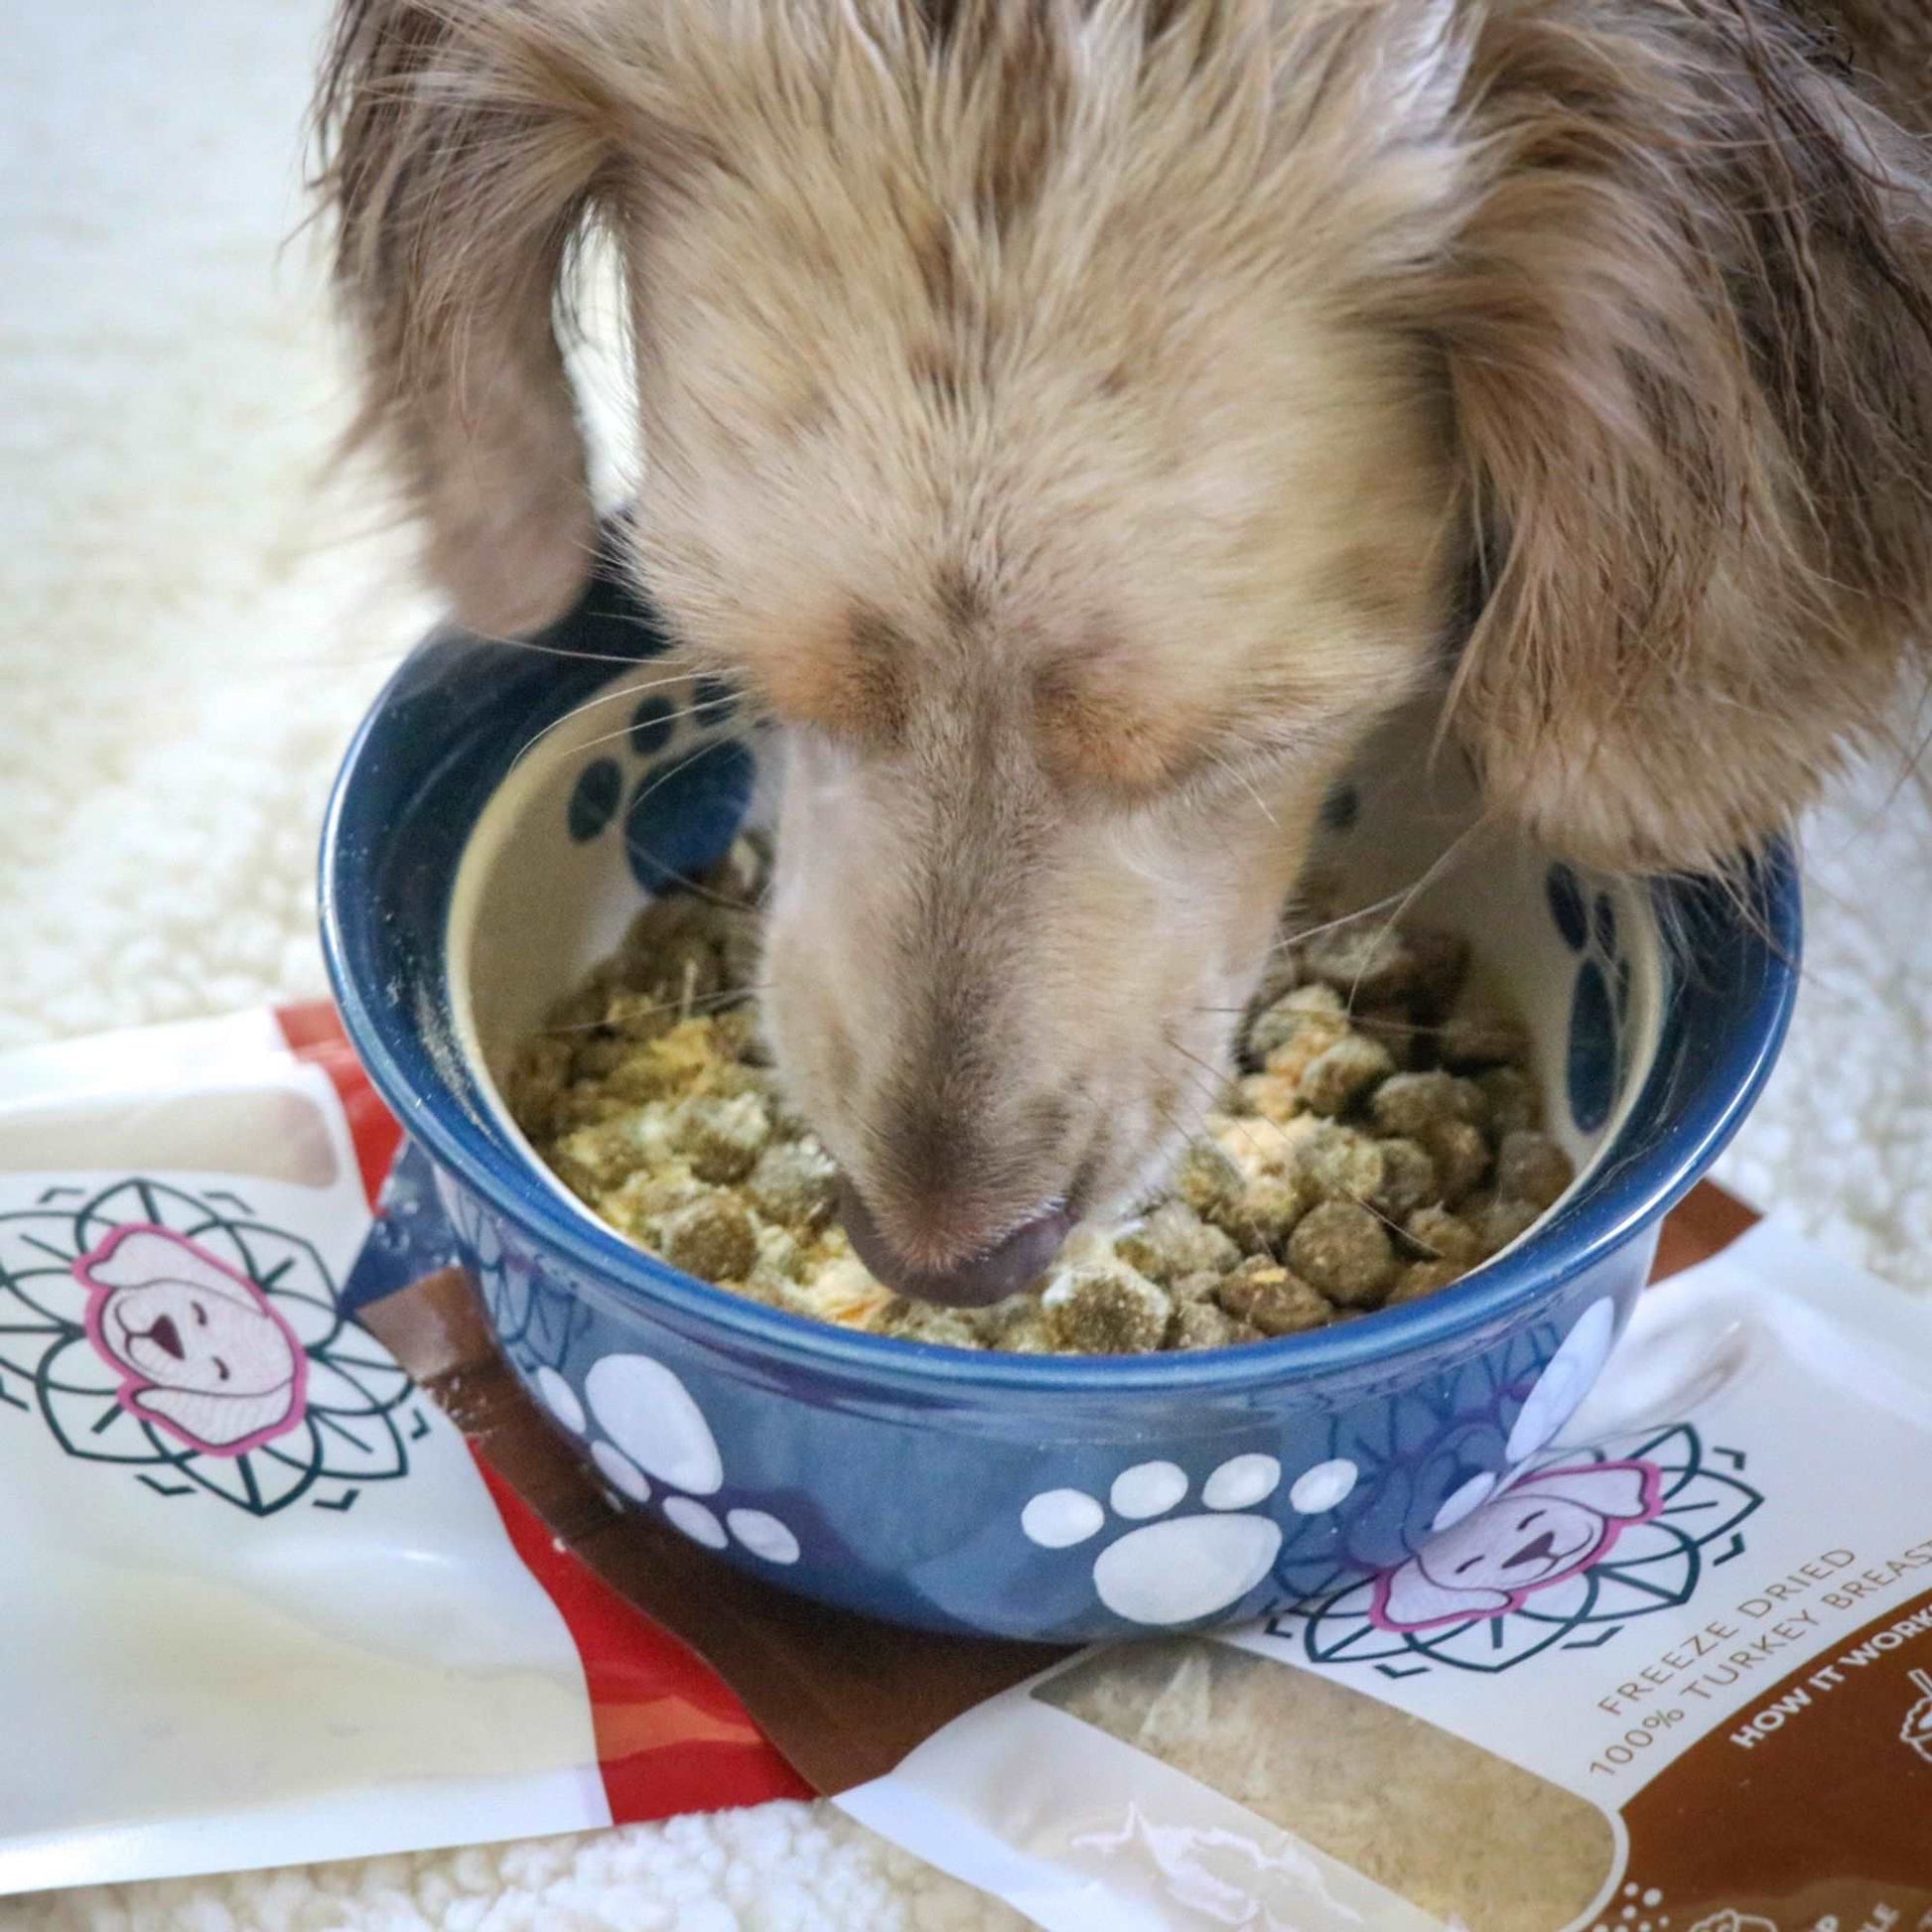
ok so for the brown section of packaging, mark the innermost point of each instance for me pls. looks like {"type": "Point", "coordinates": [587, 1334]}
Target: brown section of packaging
{"type": "Point", "coordinates": [843, 1697]}
{"type": "Point", "coordinates": [1811, 1810]}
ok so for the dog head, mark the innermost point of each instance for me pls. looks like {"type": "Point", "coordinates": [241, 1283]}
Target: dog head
{"type": "Point", "coordinates": [1540, 1532]}
{"type": "Point", "coordinates": [1077, 424]}
{"type": "Point", "coordinates": [200, 1351]}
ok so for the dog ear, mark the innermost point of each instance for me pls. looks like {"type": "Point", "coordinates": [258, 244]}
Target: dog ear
{"type": "Point", "coordinates": [1687, 328]}
{"type": "Point", "coordinates": [1623, 1491]}
{"type": "Point", "coordinates": [139, 1257]}
{"type": "Point", "coordinates": [1408, 1598]}
{"type": "Point", "coordinates": [463, 143]}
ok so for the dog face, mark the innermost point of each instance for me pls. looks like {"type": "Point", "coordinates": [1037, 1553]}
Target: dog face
{"type": "Point", "coordinates": [1542, 1531]}
{"type": "Point", "coordinates": [1076, 424]}
{"type": "Point", "coordinates": [202, 1352]}
{"type": "Point", "coordinates": [1065, 664]}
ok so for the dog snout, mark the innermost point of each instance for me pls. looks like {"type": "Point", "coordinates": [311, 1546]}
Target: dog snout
{"type": "Point", "coordinates": [1002, 1267]}
{"type": "Point", "coordinates": [961, 1196]}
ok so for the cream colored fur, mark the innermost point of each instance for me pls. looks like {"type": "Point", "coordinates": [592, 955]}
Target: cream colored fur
{"type": "Point", "coordinates": [1076, 420]}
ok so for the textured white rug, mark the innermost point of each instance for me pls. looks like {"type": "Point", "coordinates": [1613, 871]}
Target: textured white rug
{"type": "Point", "coordinates": [188, 636]}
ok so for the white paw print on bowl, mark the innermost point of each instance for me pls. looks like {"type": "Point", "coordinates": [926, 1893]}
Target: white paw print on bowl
{"type": "Point", "coordinates": [653, 1432]}
{"type": "Point", "coordinates": [1183, 1567]}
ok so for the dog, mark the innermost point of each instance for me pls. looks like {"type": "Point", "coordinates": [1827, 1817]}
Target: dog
{"type": "Point", "coordinates": [1077, 423]}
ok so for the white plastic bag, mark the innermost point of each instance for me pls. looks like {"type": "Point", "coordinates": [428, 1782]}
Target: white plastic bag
{"type": "Point", "coordinates": [260, 1605]}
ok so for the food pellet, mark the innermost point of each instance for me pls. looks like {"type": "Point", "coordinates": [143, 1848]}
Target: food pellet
{"type": "Point", "coordinates": [1344, 1250]}
{"type": "Point", "coordinates": [1481, 1038]}
{"type": "Point", "coordinates": [1440, 1235]}
{"type": "Point", "coordinates": [1296, 1027]}
{"type": "Point", "coordinates": [1409, 1178]}
{"type": "Point", "coordinates": [1201, 1325]}
{"type": "Point", "coordinates": [1267, 1296]}
{"type": "Point", "coordinates": [1532, 1168]}
{"type": "Point", "coordinates": [1408, 1103]}
{"type": "Point", "coordinates": [1106, 1308]}
{"type": "Point", "coordinates": [1422, 1279]}
{"type": "Point", "coordinates": [1499, 1221]}
{"type": "Point", "coordinates": [1173, 1241]}
{"type": "Point", "coordinates": [1460, 1154]}
{"type": "Point", "coordinates": [1339, 1074]}
{"type": "Point", "coordinates": [1337, 1163]}
{"type": "Point", "coordinates": [1510, 1098]}
{"type": "Point", "coordinates": [711, 1237]}
{"type": "Point", "coordinates": [1381, 1137]}
{"type": "Point", "coordinates": [1262, 1216]}
{"type": "Point", "coordinates": [797, 1184]}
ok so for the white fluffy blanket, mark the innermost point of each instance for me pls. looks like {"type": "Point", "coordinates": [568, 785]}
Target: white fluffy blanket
{"type": "Point", "coordinates": [188, 636]}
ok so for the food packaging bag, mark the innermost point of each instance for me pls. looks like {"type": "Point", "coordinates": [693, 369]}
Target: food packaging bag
{"type": "Point", "coordinates": [262, 1601]}
{"type": "Point", "coordinates": [1749, 1490]}
{"type": "Point", "coordinates": [1672, 1675]}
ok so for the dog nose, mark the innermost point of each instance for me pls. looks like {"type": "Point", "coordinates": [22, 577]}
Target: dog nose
{"type": "Point", "coordinates": [1014, 1261]}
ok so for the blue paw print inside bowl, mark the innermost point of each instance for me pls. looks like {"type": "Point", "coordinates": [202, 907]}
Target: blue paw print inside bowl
{"type": "Point", "coordinates": [677, 784]}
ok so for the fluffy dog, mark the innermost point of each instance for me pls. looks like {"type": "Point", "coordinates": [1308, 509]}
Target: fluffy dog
{"type": "Point", "coordinates": [1078, 421]}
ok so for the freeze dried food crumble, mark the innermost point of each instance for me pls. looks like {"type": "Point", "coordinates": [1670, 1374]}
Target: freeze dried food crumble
{"type": "Point", "coordinates": [1381, 1139]}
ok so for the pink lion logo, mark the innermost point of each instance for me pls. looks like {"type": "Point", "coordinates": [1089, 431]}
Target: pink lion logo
{"type": "Point", "coordinates": [200, 1351]}
{"type": "Point", "coordinates": [1551, 1526]}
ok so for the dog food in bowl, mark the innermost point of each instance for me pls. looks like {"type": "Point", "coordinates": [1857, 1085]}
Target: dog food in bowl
{"type": "Point", "coordinates": [1382, 1139]}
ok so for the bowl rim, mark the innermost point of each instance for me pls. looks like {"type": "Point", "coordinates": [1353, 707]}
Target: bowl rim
{"type": "Point", "coordinates": [1755, 923]}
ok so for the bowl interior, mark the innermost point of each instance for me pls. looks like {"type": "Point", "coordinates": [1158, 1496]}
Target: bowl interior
{"type": "Point", "coordinates": [646, 779]}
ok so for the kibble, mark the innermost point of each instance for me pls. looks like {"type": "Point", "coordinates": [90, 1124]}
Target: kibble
{"type": "Point", "coordinates": [1441, 1236]}
{"type": "Point", "coordinates": [1460, 1154]}
{"type": "Point", "coordinates": [1409, 1178]}
{"type": "Point", "coordinates": [1408, 1103]}
{"type": "Point", "coordinates": [1175, 1241]}
{"type": "Point", "coordinates": [1208, 1179]}
{"type": "Point", "coordinates": [1339, 1074]}
{"type": "Point", "coordinates": [1337, 1163]}
{"type": "Point", "coordinates": [1370, 962]}
{"type": "Point", "coordinates": [1532, 1168]}
{"type": "Point", "coordinates": [1266, 1295]}
{"type": "Point", "coordinates": [1106, 1308]}
{"type": "Point", "coordinates": [1296, 1028]}
{"type": "Point", "coordinates": [1382, 1137]}
{"type": "Point", "coordinates": [1498, 1222]}
{"type": "Point", "coordinates": [1201, 1325]}
{"type": "Point", "coordinates": [1481, 1038]}
{"type": "Point", "coordinates": [796, 1182]}
{"type": "Point", "coordinates": [723, 1139]}
{"type": "Point", "coordinates": [1272, 1096]}
{"type": "Point", "coordinates": [1262, 1214]}
{"type": "Point", "coordinates": [1510, 1097]}
{"type": "Point", "coordinates": [1422, 1279]}
{"type": "Point", "coordinates": [711, 1237]}
{"type": "Point", "coordinates": [1342, 1250]}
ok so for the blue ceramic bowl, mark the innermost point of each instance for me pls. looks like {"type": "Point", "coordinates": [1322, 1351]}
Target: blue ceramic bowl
{"type": "Point", "coordinates": [497, 823]}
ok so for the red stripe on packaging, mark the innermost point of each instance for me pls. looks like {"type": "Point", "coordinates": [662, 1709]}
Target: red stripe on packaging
{"type": "Point", "coordinates": [314, 1031]}
{"type": "Point", "coordinates": [670, 1735]}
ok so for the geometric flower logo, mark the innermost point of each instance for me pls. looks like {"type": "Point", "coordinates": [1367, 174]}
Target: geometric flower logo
{"type": "Point", "coordinates": [179, 1335]}
{"type": "Point", "coordinates": [1573, 1548]}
